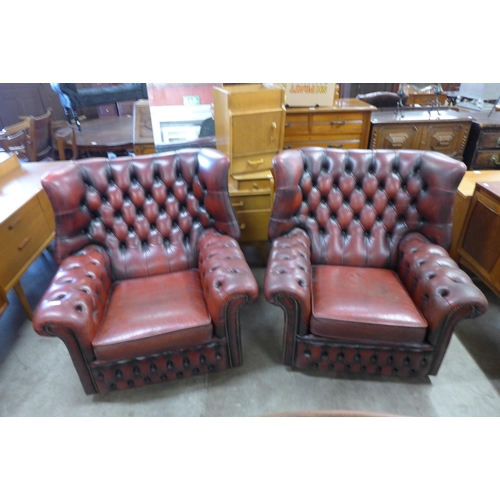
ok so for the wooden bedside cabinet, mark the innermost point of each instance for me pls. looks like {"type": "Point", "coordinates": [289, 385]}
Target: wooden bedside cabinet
{"type": "Point", "coordinates": [249, 128]}
{"type": "Point", "coordinates": [479, 242]}
{"type": "Point", "coordinates": [27, 225]}
{"type": "Point", "coordinates": [483, 147]}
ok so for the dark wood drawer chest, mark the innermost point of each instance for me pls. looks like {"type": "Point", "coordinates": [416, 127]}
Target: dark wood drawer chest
{"type": "Point", "coordinates": [483, 148]}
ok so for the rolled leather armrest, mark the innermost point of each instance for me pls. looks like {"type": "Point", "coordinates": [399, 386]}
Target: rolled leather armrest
{"type": "Point", "coordinates": [289, 274]}
{"type": "Point", "coordinates": [226, 278]}
{"type": "Point", "coordinates": [443, 292]}
{"type": "Point", "coordinates": [75, 301]}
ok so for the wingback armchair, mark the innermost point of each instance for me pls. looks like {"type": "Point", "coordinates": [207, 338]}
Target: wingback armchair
{"type": "Point", "coordinates": [358, 260]}
{"type": "Point", "coordinates": [151, 278]}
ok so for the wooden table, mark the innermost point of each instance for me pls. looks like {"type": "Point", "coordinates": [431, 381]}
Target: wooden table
{"type": "Point", "coordinates": [27, 225]}
{"type": "Point", "coordinates": [112, 134]}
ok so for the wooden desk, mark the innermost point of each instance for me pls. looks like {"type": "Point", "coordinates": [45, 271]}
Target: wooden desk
{"type": "Point", "coordinates": [425, 129]}
{"type": "Point", "coordinates": [26, 225]}
{"type": "Point", "coordinates": [112, 134]}
{"type": "Point", "coordinates": [345, 125]}
{"type": "Point", "coordinates": [479, 242]}
{"type": "Point", "coordinates": [462, 201]}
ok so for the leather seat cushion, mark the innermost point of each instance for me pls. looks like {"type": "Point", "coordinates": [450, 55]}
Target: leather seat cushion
{"type": "Point", "coordinates": [363, 304]}
{"type": "Point", "coordinates": [153, 314]}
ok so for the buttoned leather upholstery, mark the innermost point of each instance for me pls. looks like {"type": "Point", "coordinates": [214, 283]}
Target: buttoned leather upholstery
{"type": "Point", "coordinates": [358, 261]}
{"type": "Point", "coordinates": [150, 268]}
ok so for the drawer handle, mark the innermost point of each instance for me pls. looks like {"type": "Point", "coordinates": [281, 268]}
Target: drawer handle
{"type": "Point", "coordinates": [498, 142]}
{"type": "Point", "coordinates": [13, 224]}
{"type": "Point", "coordinates": [254, 163]}
{"type": "Point", "coordinates": [243, 225]}
{"type": "Point", "coordinates": [238, 204]}
{"type": "Point", "coordinates": [288, 124]}
{"type": "Point", "coordinates": [255, 185]}
{"type": "Point", "coordinates": [24, 243]}
{"type": "Point", "coordinates": [338, 123]}
{"type": "Point", "coordinates": [495, 160]}
{"type": "Point", "coordinates": [273, 128]}
{"type": "Point", "coordinates": [335, 146]}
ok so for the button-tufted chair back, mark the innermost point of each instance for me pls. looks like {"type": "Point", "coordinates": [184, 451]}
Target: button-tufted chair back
{"type": "Point", "coordinates": [357, 205]}
{"type": "Point", "coordinates": [146, 211]}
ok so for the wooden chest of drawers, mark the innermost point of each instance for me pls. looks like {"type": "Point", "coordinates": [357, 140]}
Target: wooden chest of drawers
{"type": "Point", "coordinates": [483, 148]}
{"type": "Point", "coordinates": [249, 128]}
{"type": "Point", "coordinates": [27, 225]}
{"type": "Point", "coordinates": [346, 125]}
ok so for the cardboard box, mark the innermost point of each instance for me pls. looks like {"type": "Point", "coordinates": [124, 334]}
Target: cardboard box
{"type": "Point", "coordinates": [309, 94]}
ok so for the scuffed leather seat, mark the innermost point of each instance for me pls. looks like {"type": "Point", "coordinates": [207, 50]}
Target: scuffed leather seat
{"type": "Point", "coordinates": [358, 261]}
{"type": "Point", "coordinates": [151, 277]}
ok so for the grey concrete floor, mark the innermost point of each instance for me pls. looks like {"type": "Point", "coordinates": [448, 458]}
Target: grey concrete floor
{"type": "Point", "coordinates": [37, 377]}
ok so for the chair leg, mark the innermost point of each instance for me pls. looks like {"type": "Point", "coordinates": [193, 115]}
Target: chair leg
{"type": "Point", "coordinates": [77, 121]}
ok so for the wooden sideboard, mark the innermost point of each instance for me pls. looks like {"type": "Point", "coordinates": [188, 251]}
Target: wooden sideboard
{"type": "Point", "coordinates": [27, 223]}
{"type": "Point", "coordinates": [249, 128]}
{"type": "Point", "coordinates": [479, 242]}
{"type": "Point", "coordinates": [444, 130]}
{"type": "Point", "coordinates": [345, 125]}
{"type": "Point", "coordinates": [483, 147]}
{"type": "Point", "coordinates": [462, 201]}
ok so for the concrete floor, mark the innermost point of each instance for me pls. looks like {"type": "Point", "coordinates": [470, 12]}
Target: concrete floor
{"type": "Point", "coordinates": [37, 377]}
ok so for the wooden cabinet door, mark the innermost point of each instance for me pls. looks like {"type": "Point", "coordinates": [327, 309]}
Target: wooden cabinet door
{"type": "Point", "coordinates": [399, 136]}
{"type": "Point", "coordinates": [257, 133]}
{"type": "Point", "coordinates": [447, 138]}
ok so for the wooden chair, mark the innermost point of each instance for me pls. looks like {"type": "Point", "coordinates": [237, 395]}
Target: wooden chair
{"type": "Point", "coordinates": [40, 145]}
{"type": "Point", "coordinates": [13, 139]}
{"type": "Point", "coordinates": [62, 146]}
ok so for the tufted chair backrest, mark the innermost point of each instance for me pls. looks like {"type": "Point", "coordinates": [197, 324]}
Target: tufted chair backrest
{"type": "Point", "coordinates": [357, 205]}
{"type": "Point", "coordinates": [146, 211]}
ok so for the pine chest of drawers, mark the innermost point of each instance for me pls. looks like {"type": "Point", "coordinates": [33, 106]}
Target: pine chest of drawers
{"type": "Point", "coordinates": [345, 125]}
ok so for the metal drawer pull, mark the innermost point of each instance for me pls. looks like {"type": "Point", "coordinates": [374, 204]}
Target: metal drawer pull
{"type": "Point", "coordinates": [238, 204]}
{"type": "Point", "coordinates": [24, 243]}
{"type": "Point", "coordinates": [288, 124]}
{"type": "Point", "coordinates": [243, 225]}
{"type": "Point", "coordinates": [335, 146]}
{"type": "Point", "coordinates": [495, 160]}
{"type": "Point", "coordinates": [13, 224]}
{"type": "Point", "coordinates": [337, 123]}
{"type": "Point", "coordinates": [255, 162]}
{"type": "Point", "coordinates": [498, 142]}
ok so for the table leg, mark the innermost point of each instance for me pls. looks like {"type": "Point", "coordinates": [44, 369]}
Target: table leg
{"type": "Point", "coordinates": [24, 301]}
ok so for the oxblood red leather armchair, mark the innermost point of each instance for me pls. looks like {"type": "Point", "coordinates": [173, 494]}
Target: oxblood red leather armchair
{"type": "Point", "coordinates": [151, 277]}
{"type": "Point", "coordinates": [358, 261]}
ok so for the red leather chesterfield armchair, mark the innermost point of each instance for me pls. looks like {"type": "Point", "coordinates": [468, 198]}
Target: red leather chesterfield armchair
{"type": "Point", "coordinates": [358, 261]}
{"type": "Point", "coordinates": [151, 277]}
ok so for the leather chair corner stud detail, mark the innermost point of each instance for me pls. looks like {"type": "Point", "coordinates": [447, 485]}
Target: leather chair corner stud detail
{"type": "Point", "coordinates": [151, 277]}
{"type": "Point", "coordinates": [358, 260]}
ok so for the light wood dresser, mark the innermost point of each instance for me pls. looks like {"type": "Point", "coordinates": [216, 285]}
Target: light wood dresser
{"type": "Point", "coordinates": [26, 222]}
{"type": "Point", "coordinates": [249, 128]}
{"type": "Point", "coordinates": [345, 125]}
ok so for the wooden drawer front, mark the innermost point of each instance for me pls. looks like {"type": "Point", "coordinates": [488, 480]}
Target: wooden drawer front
{"type": "Point", "coordinates": [489, 140]}
{"type": "Point", "coordinates": [336, 143]}
{"type": "Point", "coordinates": [296, 125]}
{"type": "Point", "coordinates": [257, 133]}
{"type": "Point", "coordinates": [253, 225]}
{"type": "Point", "coordinates": [250, 201]}
{"type": "Point", "coordinates": [489, 159]}
{"type": "Point", "coordinates": [22, 234]}
{"type": "Point", "coordinates": [254, 184]}
{"type": "Point", "coordinates": [337, 123]}
{"type": "Point", "coordinates": [47, 210]}
{"type": "Point", "coordinates": [253, 163]}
